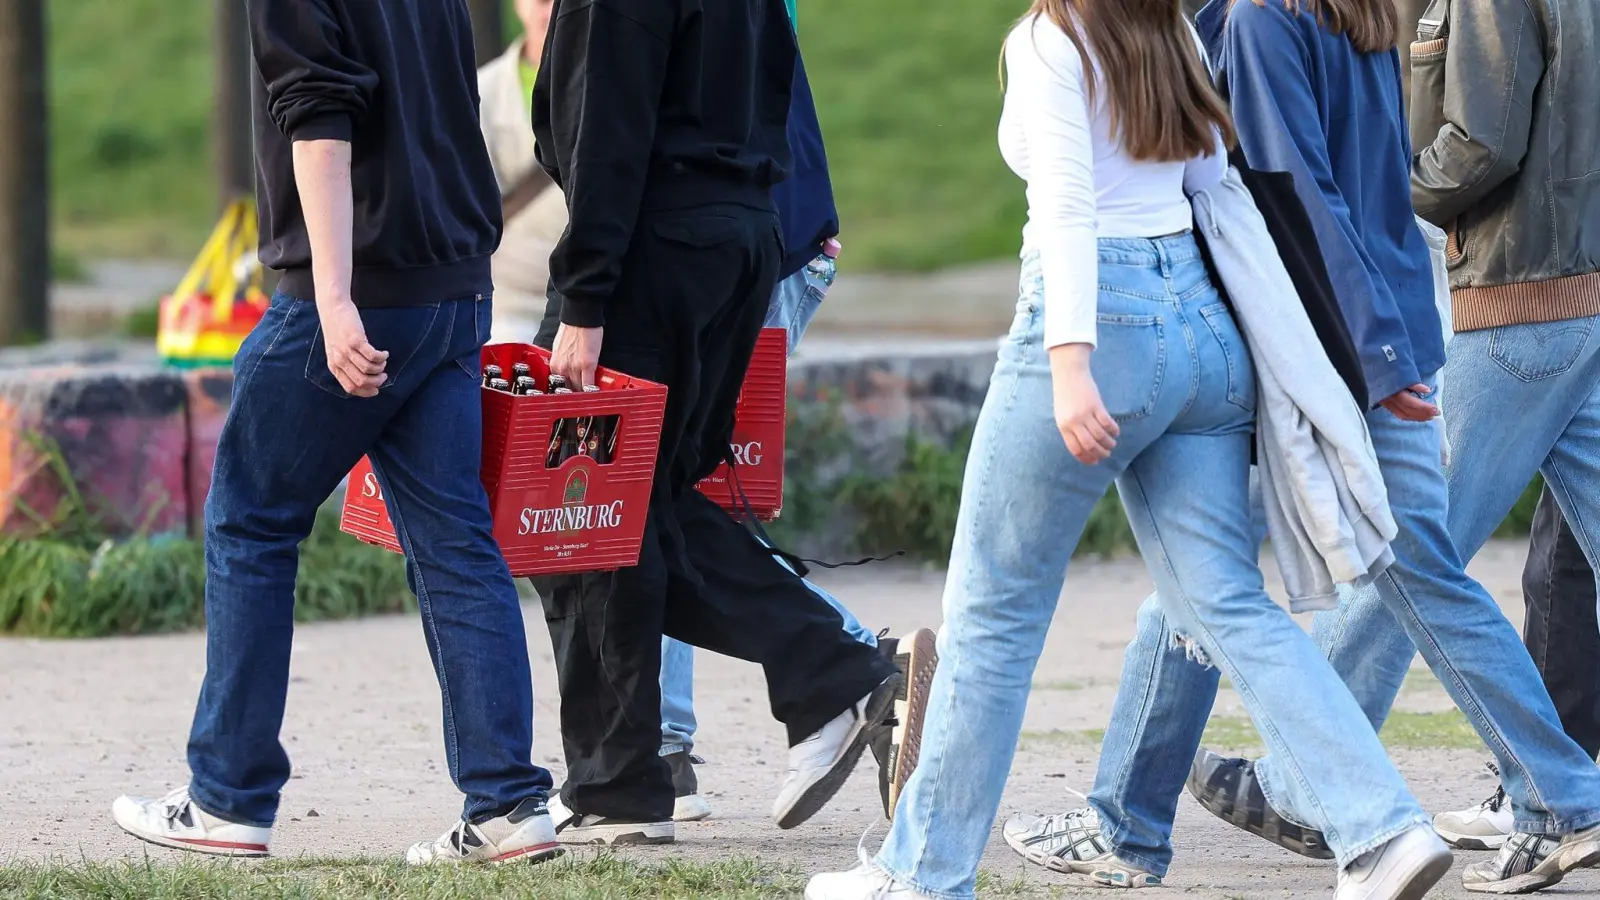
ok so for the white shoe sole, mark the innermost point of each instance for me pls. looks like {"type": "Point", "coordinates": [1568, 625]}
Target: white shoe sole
{"type": "Point", "coordinates": [814, 796]}
{"type": "Point", "coordinates": [630, 833]}
{"type": "Point", "coordinates": [1462, 841]}
{"type": "Point", "coordinates": [692, 808]}
{"type": "Point", "coordinates": [206, 847]}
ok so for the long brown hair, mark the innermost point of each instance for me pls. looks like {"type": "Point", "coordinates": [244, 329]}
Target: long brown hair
{"type": "Point", "coordinates": [1161, 101]}
{"type": "Point", "coordinates": [1371, 25]}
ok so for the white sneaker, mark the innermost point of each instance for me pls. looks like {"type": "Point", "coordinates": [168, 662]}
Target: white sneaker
{"type": "Point", "coordinates": [1403, 869]}
{"type": "Point", "coordinates": [525, 834]}
{"type": "Point", "coordinates": [820, 764]}
{"type": "Point", "coordinates": [864, 882]}
{"type": "Point", "coordinates": [576, 828]}
{"type": "Point", "coordinates": [174, 821]}
{"type": "Point", "coordinates": [1072, 843]}
{"type": "Point", "coordinates": [1483, 827]}
{"type": "Point", "coordinates": [687, 803]}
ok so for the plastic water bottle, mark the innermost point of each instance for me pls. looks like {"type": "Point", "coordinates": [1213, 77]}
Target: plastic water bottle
{"type": "Point", "coordinates": [821, 272]}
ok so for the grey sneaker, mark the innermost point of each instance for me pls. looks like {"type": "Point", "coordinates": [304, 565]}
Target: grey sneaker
{"type": "Point", "coordinates": [1071, 843]}
{"type": "Point", "coordinates": [687, 804]}
{"type": "Point", "coordinates": [1228, 789]}
{"type": "Point", "coordinates": [1529, 862]}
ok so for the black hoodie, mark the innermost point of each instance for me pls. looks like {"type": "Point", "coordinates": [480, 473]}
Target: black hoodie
{"type": "Point", "coordinates": [396, 79]}
{"type": "Point", "coordinates": [647, 105]}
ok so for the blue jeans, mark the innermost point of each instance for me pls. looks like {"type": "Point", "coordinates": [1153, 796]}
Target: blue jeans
{"type": "Point", "coordinates": [291, 435]}
{"type": "Point", "coordinates": [1542, 378]}
{"type": "Point", "coordinates": [1173, 370]}
{"type": "Point", "coordinates": [794, 302]}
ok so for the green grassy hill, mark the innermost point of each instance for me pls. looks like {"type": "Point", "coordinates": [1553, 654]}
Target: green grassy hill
{"type": "Point", "coordinates": [907, 91]}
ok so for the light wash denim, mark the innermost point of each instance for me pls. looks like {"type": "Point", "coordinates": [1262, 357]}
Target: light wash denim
{"type": "Point", "coordinates": [1173, 370]}
{"type": "Point", "coordinates": [1514, 394]}
{"type": "Point", "coordinates": [1522, 398]}
{"type": "Point", "coordinates": [794, 302]}
{"type": "Point", "coordinates": [796, 298]}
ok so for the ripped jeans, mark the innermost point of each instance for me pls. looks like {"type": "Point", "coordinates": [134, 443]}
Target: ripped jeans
{"type": "Point", "coordinates": [1173, 370]}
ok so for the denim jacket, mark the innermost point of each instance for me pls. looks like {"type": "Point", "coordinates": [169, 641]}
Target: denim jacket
{"type": "Point", "coordinates": [1505, 116]}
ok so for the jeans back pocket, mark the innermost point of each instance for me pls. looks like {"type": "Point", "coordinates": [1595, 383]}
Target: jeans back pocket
{"type": "Point", "coordinates": [1241, 369]}
{"type": "Point", "coordinates": [403, 332]}
{"type": "Point", "coordinates": [1540, 350]}
{"type": "Point", "coordinates": [1129, 363]}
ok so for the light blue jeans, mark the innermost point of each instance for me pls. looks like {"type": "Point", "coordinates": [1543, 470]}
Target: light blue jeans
{"type": "Point", "coordinates": [1173, 370]}
{"type": "Point", "coordinates": [1516, 399]}
{"type": "Point", "coordinates": [794, 302]}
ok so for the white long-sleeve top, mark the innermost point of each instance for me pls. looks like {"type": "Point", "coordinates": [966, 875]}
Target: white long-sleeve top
{"type": "Point", "coordinates": [1082, 186]}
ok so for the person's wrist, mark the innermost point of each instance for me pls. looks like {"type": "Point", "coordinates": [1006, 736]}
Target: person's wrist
{"type": "Point", "coordinates": [1071, 357]}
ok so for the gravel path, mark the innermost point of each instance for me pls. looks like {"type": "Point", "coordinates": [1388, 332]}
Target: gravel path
{"type": "Point", "coordinates": [82, 721]}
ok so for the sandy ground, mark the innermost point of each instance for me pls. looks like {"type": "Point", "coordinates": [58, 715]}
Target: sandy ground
{"type": "Point", "coordinates": [82, 721]}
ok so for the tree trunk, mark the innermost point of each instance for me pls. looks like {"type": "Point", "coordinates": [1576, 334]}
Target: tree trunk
{"type": "Point", "coordinates": [24, 175]}
{"type": "Point", "coordinates": [488, 28]}
{"type": "Point", "coordinates": [235, 159]}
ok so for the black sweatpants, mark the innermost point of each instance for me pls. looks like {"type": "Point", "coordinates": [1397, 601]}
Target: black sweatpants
{"type": "Point", "coordinates": [693, 295]}
{"type": "Point", "coordinates": [1562, 631]}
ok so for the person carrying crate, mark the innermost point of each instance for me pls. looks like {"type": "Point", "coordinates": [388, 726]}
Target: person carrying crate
{"type": "Point", "coordinates": [670, 257]}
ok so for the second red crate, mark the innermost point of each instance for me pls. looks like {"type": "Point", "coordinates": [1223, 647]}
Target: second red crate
{"type": "Point", "coordinates": [758, 433]}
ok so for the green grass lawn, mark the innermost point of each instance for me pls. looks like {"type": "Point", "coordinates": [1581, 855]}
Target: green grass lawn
{"type": "Point", "coordinates": [571, 878]}
{"type": "Point", "coordinates": [907, 91]}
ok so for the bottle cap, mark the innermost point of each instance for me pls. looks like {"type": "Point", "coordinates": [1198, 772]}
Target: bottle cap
{"type": "Point", "coordinates": [831, 248]}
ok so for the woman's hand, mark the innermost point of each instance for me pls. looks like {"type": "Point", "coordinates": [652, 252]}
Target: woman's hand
{"type": "Point", "coordinates": [1090, 432]}
{"type": "Point", "coordinates": [1409, 406]}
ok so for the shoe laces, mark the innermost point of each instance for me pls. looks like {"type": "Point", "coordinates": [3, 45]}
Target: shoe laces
{"type": "Point", "coordinates": [175, 804]}
{"type": "Point", "coordinates": [461, 839]}
{"type": "Point", "coordinates": [1497, 799]}
{"type": "Point", "coordinates": [886, 884]}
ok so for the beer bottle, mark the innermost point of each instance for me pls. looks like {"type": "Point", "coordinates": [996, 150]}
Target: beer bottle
{"type": "Point", "coordinates": [524, 385]}
{"type": "Point", "coordinates": [500, 384]}
{"type": "Point", "coordinates": [558, 384]}
{"type": "Point", "coordinates": [557, 452]}
{"type": "Point", "coordinates": [520, 370]}
{"type": "Point", "coordinates": [490, 373]}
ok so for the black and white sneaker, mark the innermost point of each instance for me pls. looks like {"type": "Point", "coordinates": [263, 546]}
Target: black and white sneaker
{"type": "Point", "coordinates": [820, 764]}
{"type": "Point", "coordinates": [1228, 789]}
{"type": "Point", "coordinates": [687, 804]}
{"type": "Point", "coordinates": [1529, 862]}
{"type": "Point", "coordinates": [1072, 843]}
{"type": "Point", "coordinates": [575, 828]}
{"type": "Point", "coordinates": [174, 821]}
{"type": "Point", "coordinates": [524, 835]}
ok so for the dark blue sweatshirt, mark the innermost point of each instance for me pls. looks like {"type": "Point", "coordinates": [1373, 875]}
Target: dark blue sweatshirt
{"type": "Point", "coordinates": [805, 199]}
{"type": "Point", "coordinates": [396, 80]}
{"type": "Point", "coordinates": [1305, 102]}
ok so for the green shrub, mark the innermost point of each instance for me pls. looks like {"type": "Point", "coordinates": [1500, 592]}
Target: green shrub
{"type": "Point", "coordinates": [69, 580]}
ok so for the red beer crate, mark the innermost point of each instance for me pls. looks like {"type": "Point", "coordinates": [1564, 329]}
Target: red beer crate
{"type": "Point", "coordinates": [581, 513]}
{"type": "Point", "coordinates": [758, 432]}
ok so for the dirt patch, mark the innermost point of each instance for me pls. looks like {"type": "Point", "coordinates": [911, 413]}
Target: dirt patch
{"type": "Point", "coordinates": [81, 721]}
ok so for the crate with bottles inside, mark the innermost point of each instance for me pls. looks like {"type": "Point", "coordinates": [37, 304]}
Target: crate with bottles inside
{"type": "Point", "coordinates": [568, 472]}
